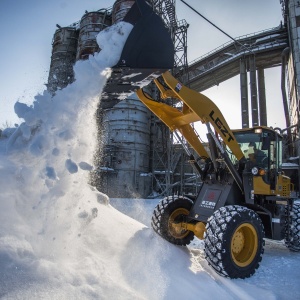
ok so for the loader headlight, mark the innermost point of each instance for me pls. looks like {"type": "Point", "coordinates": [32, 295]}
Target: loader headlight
{"type": "Point", "coordinates": [254, 171]}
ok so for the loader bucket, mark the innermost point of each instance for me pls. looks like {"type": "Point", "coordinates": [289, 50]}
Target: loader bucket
{"type": "Point", "coordinates": [147, 53]}
{"type": "Point", "coordinates": [149, 44]}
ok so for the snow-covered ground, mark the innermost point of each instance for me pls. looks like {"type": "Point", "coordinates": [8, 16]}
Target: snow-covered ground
{"type": "Point", "coordinates": [278, 276]}
{"type": "Point", "coordinates": [62, 239]}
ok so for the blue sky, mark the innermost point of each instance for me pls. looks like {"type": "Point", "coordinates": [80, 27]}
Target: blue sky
{"type": "Point", "coordinates": [27, 28]}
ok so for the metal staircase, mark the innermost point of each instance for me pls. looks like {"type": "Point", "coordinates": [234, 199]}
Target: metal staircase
{"type": "Point", "coordinates": [178, 30]}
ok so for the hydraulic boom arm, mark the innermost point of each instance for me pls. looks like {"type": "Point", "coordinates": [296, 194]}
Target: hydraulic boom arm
{"type": "Point", "coordinates": [195, 107]}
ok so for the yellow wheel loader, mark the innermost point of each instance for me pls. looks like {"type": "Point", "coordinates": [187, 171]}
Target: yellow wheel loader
{"type": "Point", "coordinates": [244, 197]}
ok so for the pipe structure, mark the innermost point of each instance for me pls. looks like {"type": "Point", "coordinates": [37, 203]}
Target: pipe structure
{"type": "Point", "coordinates": [284, 59]}
{"type": "Point", "coordinates": [262, 97]}
{"type": "Point", "coordinates": [253, 90]}
{"type": "Point", "coordinates": [244, 93]}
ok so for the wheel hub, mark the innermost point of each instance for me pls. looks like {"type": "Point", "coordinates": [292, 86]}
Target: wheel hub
{"type": "Point", "coordinates": [238, 242]}
{"type": "Point", "coordinates": [244, 245]}
{"type": "Point", "coordinates": [175, 218]}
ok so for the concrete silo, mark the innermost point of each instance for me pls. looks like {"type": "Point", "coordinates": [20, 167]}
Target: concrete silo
{"type": "Point", "coordinates": [73, 43]}
{"type": "Point", "coordinates": [120, 9]}
{"type": "Point", "coordinates": [64, 48]}
{"type": "Point", "coordinates": [125, 138]}
{"type": "Point", "coordinates": [90, 25]}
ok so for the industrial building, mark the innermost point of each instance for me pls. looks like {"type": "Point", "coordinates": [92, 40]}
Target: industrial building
{"type": "Point", "coordinates": [138, 155]}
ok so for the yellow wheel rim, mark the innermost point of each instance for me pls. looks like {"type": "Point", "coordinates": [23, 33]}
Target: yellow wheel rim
{"type": "Point", "coordinates": [244, 245]}
{"type": "Point", "coordinates": [176, 217]}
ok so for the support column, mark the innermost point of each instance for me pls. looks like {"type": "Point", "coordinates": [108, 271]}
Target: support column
{"type": "Point", "coordinates": [244, 94]}
{"type": "Point", "coordinates": [253, 90]}
{"type": "Point", "coordinates": [262, 97]}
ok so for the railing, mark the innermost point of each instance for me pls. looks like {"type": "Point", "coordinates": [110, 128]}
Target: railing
{"type": "Point", "coordinates": [225, 45]}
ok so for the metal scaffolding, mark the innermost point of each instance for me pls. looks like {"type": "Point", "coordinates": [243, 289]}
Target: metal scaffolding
{"type": "Point", "coordinates": [178, 30]}
{"type": "Point", "coordinates": [170, 171]}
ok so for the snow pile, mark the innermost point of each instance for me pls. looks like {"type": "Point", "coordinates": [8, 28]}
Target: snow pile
{"type": "Point", "coordinates": [52, 223]}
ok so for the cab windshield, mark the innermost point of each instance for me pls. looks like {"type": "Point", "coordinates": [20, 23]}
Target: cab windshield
{"type": "Point", "coordinates": [259, 148]}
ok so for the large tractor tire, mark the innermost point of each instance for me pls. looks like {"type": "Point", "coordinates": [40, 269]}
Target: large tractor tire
{"type": "Point", "coordinates": [234, 241]}
{"type": "Point", "coordinates": [171, 210]}
{"type": "Point", "coordinates": [292, 239]}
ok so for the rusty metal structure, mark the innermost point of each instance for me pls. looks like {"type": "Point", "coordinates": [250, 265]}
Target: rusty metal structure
{"type": "Point", "coordinates": [120, 9]}
{"type": "Point", "coordinates": [124, 161]}
{"type": "Point", "coordinates": [64, 48]}
{"type": "Point", "coordinates": [72, 43]}
{"type": "Point", "coordinates": [90, 25]}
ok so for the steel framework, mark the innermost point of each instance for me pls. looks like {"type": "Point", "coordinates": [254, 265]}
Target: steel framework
{"type": "Point", "coordinates": [169, 171]}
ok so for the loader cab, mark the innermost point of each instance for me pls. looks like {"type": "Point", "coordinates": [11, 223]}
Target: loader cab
{"type": "Point", "coordinates": [262, 148]}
